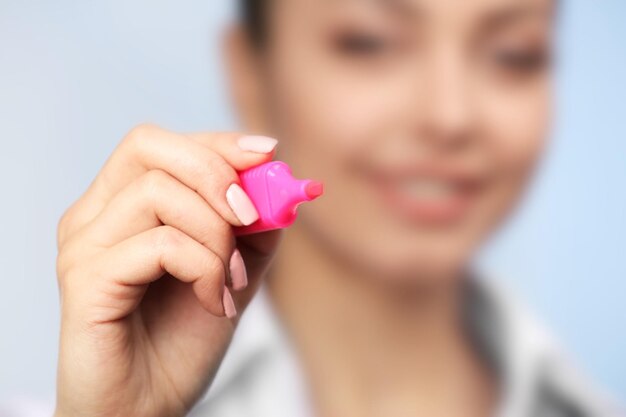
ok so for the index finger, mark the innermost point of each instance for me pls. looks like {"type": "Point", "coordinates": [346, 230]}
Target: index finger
{"type": "Point", "coordinates": [207, 163]}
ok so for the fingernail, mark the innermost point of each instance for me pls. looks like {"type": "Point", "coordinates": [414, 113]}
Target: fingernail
{"type": "Point", "coordinates": [229, 304]}
{"type": "Point", "coordinates": [259, 144]}
{"type": "Point", "coordinates": [241, 205]}
{"type": "Point", "coordinates": [238, 273]}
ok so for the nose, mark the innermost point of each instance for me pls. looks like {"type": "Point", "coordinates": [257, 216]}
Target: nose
{"type": "Point", "coordinates": [447, 116]}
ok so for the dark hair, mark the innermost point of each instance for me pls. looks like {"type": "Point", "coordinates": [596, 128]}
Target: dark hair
{"type": "Point", "coordinates": [252, 14]}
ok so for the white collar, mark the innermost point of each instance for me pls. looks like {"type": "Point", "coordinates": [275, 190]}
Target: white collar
{"type": "Point", "coordinates": [260, 375]}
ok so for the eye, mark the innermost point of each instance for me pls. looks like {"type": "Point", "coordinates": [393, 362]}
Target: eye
{"type": "Point", "coordinates": [363, 44]}
{"type": "Point", "coordinates": [520, 61]}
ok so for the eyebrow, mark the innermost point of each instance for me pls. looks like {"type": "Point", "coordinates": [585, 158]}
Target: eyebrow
{"type": "Point", "coordinates": [515, 12]}
{"type": "Point", "coordinates": [402, 8]}
{"type": "Point", "coordinates": [502, 15]}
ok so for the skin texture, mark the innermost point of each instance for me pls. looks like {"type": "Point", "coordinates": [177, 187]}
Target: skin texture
{"type": "Point", "coordinates": [366, 95]}
{"type": "Point", "coordinates": [432, 94]}
{"type": "Point", "coordinates": [143, 261]}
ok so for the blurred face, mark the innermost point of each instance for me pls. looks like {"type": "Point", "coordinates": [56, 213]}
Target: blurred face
{"type": "Point", "coordinates": [424, 119]}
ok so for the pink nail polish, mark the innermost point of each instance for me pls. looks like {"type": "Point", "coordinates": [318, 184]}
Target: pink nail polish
{"type": "Point", "coordinates": [241, 205]}
{"type": "Point", "coordinates": [276, 194]}
{"type": "Point", "coordinates": [258, 144]}
{"type": "Point", "coordinates": [238, 273]}
{"type": "Point", "coordinates": [229, 304]}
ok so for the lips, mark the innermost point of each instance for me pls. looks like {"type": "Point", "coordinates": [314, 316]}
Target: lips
{"type": "Point", "coordinates": [427, 196]}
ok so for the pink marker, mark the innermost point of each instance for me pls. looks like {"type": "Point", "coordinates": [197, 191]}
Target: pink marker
{"type": "Point", "coordinates": [276, 194]}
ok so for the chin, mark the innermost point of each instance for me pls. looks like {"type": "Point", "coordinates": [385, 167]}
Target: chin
{"type": "Point", "coordinates": [424, 269]}
{"type": "Point", "coordinates": [417, 264]}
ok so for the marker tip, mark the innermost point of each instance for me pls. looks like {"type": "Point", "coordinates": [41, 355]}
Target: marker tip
{"type": "Point", "coordinates": [314, 189]}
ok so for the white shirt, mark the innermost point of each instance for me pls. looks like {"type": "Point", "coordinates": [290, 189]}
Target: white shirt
{"type": "Point", "coordinates": [260, 376]}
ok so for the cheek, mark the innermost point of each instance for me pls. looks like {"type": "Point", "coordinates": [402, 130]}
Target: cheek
{"type": "Point", "coordinates": [332, 111]}
{"type": "Point", "coordinates": [518, 123]}
{"type": "Point", "coordinates": [332, 117]}
{"type": "Point", "coordinates": [514, 128]}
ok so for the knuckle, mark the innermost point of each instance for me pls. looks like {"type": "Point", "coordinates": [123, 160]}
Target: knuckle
{"type": "Point", "coordinates": [65, 273]}
{"type": "Point", "coordinates": [225, 231]}
{"type": "Point", "coordinates": [220, 166]}
{"type": "Point", "coordinates": [228, 245]}
{"type": "Point", "coordinates": [63, 226]}
{"type": "Point", "coordinates": [63, 259]}
{"type": "Point", "coordinates": [140, 133]}
{"type": "Point", "coordinates": [154, 183]}
{"type": "Point", "coordinates": [220, 238]}
{"type": "Point", "coordinates": [61, 267]}
{"type": "Point", "coordinates": [216, 230]}
{"type": "Point", "coordinates": [71, 255]}
{"type": "Point", "coordinates": [213, 267]}
{"type": "Point", "coordinates": [167, 237]}
{"type": "Point", "coordinates": [67, 224]}
{"type": "Point", "coordinates": [209, 282]}
{"type": "Point", "coordinates": [218, 175]}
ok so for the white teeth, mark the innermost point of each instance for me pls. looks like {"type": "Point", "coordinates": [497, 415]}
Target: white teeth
{"type": "Point", "coordinates": [425, 189]}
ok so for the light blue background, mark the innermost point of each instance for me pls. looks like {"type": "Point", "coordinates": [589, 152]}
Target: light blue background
{"type": "Point", "coordinates": [76, 75]}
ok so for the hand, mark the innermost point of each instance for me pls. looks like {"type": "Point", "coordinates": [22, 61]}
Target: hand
{"type": "Point", "coordinates": [148, 269]}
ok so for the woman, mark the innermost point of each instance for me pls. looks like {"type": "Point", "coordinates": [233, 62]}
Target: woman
{"type": "Point", "coordinates": [424, 119]}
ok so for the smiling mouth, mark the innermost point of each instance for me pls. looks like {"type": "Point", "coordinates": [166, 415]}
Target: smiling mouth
{"type": "Point", "coordinates": [427, 198]}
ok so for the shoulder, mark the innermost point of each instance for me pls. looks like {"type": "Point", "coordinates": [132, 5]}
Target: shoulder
{"type": "Point", "coordinates": [540, 378]}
